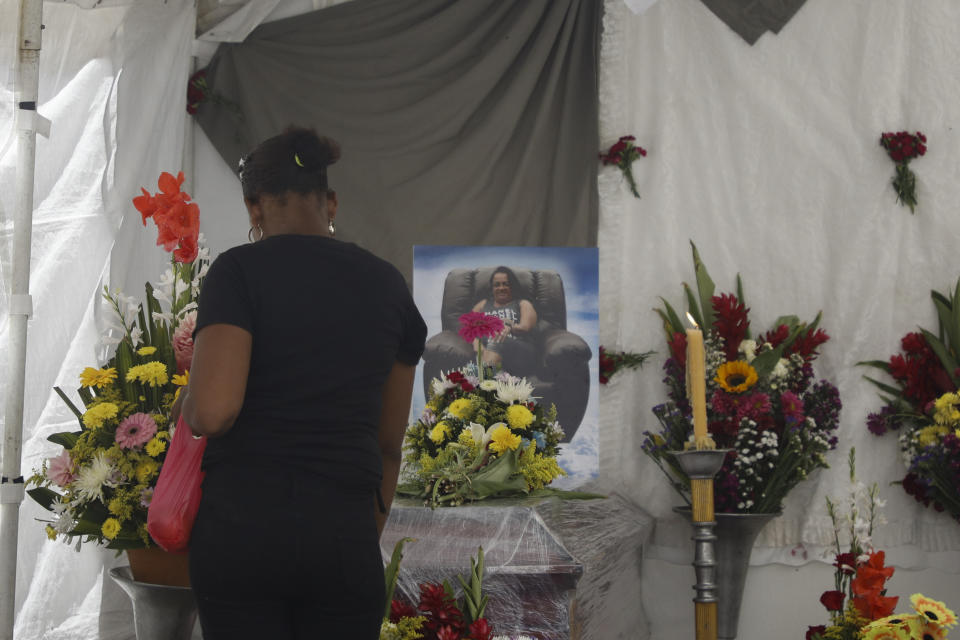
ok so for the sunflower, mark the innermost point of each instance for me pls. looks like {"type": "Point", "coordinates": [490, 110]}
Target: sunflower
{"type": "Point", "coordinates": [884, 632]}
{"type": "Point", "coordinates": [911, 623]}
{"type": "Point", "coordinates": [736, 376]}
{"type": "Point", "coordinates": [934, 610]}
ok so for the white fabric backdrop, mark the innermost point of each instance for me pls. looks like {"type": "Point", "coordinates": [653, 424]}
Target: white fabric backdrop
{"type": "Point", "coordinates": [112, 82]}
{"type": "Point", "coordinates": [767, 157]}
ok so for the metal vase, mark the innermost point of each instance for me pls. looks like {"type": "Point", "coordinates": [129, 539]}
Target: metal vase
{"type": "Point", "coordinates": [736, 533]}
{"type": "Point", "coordinates": [160, 612]}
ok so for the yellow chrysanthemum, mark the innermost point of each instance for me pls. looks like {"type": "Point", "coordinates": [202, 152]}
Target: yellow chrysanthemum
{"type": "Point", "coordinates": [96, 415]}
{"type": "Point", "coordinates": [152, 373]}
{"type": "Point", "coordinates": [146, 351]}
{"type": "Point", "coordinates": [120, 508]}
{"type": "Point", "coordinates": [460, 408]}
{"type": "Point", "coordinates": [440, 432]}
{"type": "Point", "coordinates": [98, 378]}
{"type": "Point", "coordinates": [110, 528]}
{"type": "Point", "coordinates": [519, 417]}
{"type": "Point", "coordinates": [155, 447]}
{"type": "Point", "coordinates": [931, 435]}
{"type": "Point", "coordinates": [502, 439]}
{"type": "Point", "coordinates": [146, 470]}
{"type": "Point", "coordinates": [945, 409]}
{"type": "Point", "coordinates": [933, 610]}
{"type": "Point", "coordinates": [884, 632]}
{"type": "Point", "coordinates": [181, 380]}
{"type": "Point", "coordinates": [736, 376]}
{"type": "Point", "coordinates": [51, 533]}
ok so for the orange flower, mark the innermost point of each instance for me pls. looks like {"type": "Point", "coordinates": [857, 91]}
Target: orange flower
{"type": "Point", "coordinates": [177, 219]}
{"type": "Point", "coordinates": [867, 587]}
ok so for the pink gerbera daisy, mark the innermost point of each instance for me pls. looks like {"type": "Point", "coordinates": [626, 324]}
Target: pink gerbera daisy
{"type": "Point", "coordinates": [476, 324]}
{"type": "Point", "coordinates": [136, 431]}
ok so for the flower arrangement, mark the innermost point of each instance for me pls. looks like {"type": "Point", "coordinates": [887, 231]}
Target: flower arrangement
{"type": "Point", "coordinates": [762, 402]}
{"type": "Point", "coordinates": [623, 153]}
{"type": "Point", "coordinates": [902, 147]}
{"type": "Point", "coordinates": [613, 361]}
{"type": "Point", "coordinates": [439, 615]}
{"type": "Point", "coordinates": [480, 435]}
{"type": "Point", "coordinates": [923, 406]}
{"type": "Point", "coordinates": [99, 487]}
{"type": "Point", "coordinates": [858, 605]}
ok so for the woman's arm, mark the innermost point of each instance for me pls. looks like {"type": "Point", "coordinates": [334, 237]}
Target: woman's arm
{"type": "Point", "coordinates": [528, 318]}
{"type": "Point", "coordinates": [480, 305]}
{"type": "Point", "coordinates": [218, 379]}
{"type": "Point", "coordinates": [394, 413]}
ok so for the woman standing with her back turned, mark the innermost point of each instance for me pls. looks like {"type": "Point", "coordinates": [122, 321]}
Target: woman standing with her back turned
{"type": "Point", "coordinates": [302, 377]}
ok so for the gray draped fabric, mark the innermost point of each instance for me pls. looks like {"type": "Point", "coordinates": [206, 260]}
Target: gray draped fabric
{"type": "Point", "coordinates": [462, 122]}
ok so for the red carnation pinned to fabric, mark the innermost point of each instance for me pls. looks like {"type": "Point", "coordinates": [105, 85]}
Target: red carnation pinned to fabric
{"type": "Point", "coordinates": [476, 324]}
{"type": "Point", "coordinates": [902, 147]}
{"type": "Point", "coordinates": [623, 153]}
{"type": "Point", "coordinates": [730, 322]}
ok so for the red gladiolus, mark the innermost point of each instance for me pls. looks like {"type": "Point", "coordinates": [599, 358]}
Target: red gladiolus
{"type": "Point", "coordinates": [177, 219]}
{"type": "Point", "coordinates": [832, 600]}
{"type": "Point", "coordinates": [846, 562]}
{"type": "Point", "coordinates": [868, 588]}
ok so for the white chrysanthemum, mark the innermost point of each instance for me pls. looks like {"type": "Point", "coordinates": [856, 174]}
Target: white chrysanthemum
{"type": "Point", "coordinates": [92, 478]}
{"type": "Point", "coordinates": [749, 349]}
{"type": "Point", "coordinates": [513, 391]}
{"type": "Point", "coordinates": [440, 386]}
{"type": "Point", "coordinates": [488, 385]}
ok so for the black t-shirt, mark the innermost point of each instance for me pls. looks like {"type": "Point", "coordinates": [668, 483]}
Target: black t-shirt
{"type": "Point", "coordinates": [328, 321]}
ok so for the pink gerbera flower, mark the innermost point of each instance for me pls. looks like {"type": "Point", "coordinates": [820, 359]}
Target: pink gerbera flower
{"type": "Point", "coordinates": [59, 469]}
{"type": "Point", "coordinates": [136, 431]}
{"type": "Point", "coordinates": [476, 324]}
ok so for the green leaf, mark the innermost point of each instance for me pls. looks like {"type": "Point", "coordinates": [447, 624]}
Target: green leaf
{"type": "Point", "coordinates": [877, 364]}
{"type": "Point", "coordinates": [945, 358]}
{"type": "Point", "coordinates": [791, 321]}
{"type": "Point", "coordinates": [124, 359]}
{"type": "Point", "coordinates": [72, 406]}
{"type": "Point", "coordinates": [705, 288]}
{"type": "Point", "coordinates": [947, 326]}
{"type": "Point", "coordinates": [500, 476]}
{"type": "Point", "coordinates": [65, 439]}
{"type": "Point", "coordinates": [43, 496]}
{"type": "Point", "coordinates": [676, 325]}
{"type": "Point", "coordinates": [884, 387]}
{"type": "Point", "coordinates": [693, 307]}
{"type": "Point", "coordinates": [392, 570]}
{"type": "Point", "coordinates": [766, 361]}
{"type": "Point", "coordinates": [413, 489]}
{"type": "Point", "coordinates": [742, 300]}
{"type": "Point", "coordinates": [954, 330]}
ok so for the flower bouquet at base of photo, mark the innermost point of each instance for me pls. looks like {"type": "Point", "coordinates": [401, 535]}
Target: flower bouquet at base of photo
{"type": "Point", "coordinates": [482, 434]}
{"type": "Point", "coordinates": [858, 604]}
{"type": "Point", "coordinates": [762, 401]}
{"type": "Point", "coordinates": [100, 485]}
{"type": "Point", "coordinates": [440, 614]}
{"type": "Point", "coordinates": [923, 407]}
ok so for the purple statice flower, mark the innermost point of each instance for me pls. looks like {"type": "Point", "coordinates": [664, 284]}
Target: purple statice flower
{"type": "Point", "coordinates": [880, 423]}
{"type": "Point", "coordinates": [822, 403]}
{"type": "Point", "coordinates": [800, 383]}
{"type": "Point", "coordinates": [428, 417]}
{"type": "Point", "coordinates": [726, 490]}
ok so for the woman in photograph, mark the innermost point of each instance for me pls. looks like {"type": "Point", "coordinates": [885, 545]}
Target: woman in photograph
{"type": "Point", "coordinates": [512, 349]}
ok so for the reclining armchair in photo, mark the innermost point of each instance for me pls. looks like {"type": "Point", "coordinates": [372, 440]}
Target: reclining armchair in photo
{"type": "Point", "coordinates": [560, 368]}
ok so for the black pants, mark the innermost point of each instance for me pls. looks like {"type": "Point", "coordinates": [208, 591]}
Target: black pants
{"type": "Point", "coordinates": [285, 556]}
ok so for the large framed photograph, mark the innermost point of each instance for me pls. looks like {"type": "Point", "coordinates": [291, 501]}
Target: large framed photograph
{"type": "Point", "coordinates": [547, 298]}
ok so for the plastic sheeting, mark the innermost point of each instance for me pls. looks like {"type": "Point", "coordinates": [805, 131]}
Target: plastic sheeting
{"type": "Point", "coordinates": [768, 158]}
{"type": "Point", "coordinates": [112, 83]}
{"type": "Point", "coordinates": [555, 569]}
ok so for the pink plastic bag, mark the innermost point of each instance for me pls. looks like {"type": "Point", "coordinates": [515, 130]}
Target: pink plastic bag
{"type": "Point", "coordinates": [176, 497]}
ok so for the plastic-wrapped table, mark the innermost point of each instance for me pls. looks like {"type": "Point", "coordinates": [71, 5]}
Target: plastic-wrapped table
{"type": "Point", "coordinates": [555, 569]}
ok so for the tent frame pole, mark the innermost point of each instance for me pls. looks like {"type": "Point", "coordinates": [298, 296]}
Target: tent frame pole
{"type": "Point", "coordinates": [11, 480]}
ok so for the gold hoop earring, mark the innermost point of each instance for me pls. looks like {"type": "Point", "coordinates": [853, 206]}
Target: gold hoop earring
{"type": "Point", "coordinates": [332, 228]}
{"type": "Point", "coordinates": [250, 234]}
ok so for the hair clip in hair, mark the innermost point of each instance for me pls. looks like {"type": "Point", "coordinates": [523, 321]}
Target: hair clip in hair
{"type": "Point", "coordinates": [296, 158]}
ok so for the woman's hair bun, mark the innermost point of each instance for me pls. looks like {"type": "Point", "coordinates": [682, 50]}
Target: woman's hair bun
{"type": "Point", "coordinates": [311, 151]}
